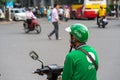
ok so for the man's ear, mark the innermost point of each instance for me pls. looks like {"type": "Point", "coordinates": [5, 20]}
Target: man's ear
{"type": "Point", "coordinates": [75, 39]}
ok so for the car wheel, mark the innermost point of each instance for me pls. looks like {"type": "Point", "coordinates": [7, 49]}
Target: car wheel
{"type": "Point", "coordinates": [14, 19]}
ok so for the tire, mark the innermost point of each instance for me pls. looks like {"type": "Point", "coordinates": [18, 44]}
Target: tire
{"type": "Point", "coordinates": [98, 26]}
{"type": "Point", "coordinates": [103, 26]}
{"type": "Point", "coordinates": [14, 19]}
{"type": "Point", "coordinates": [73, 16]}
{"type": "Point", "coordinates": [38, 29]}
{"type": "Point", "coordinates": [25, 25]}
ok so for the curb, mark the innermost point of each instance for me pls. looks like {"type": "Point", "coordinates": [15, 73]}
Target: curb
{"type": "Point", "coordinates": [6, 22]}
{"type": "Point", "coordinates": [112, 18]}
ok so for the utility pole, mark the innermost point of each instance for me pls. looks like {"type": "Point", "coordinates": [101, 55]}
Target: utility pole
{"type": "Point", "coordinates": [118, 9]}
{"type": "Point", "coordinates": [114, 8]}
{"type": "Point", "coordinates": [5, 9]}
{"type": "Point", "coordinates": [52, 3]}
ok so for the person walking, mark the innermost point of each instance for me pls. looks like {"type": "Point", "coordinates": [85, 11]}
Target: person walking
{"type": "Point", "coordinates": [67, 13]}
{"type": "Point", "coordinates": [81, 63]}
{"type": "Point", "coordinates": [55, 22]}
{"type": "Point", "coordinates": [49, 14]}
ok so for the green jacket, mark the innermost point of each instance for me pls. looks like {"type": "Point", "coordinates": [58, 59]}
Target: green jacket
{"type": "Point", "coordinates": [78, 66]}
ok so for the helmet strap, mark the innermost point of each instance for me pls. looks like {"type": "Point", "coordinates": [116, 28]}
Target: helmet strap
{"type": "Point", "coordinates": [74, 43]}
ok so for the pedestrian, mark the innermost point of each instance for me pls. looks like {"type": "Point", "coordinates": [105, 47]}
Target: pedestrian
{"type": "Point", "coordinates": [55, 22]}
{"type": "Point", "coordinates": [42, 11]}
{"type": "Point", "coordinates": [49, 12]}
{"type": "Point", "coordinates": [67, 13]}
{"type": "Point", "coordinates": [81, 62]}
{"type": "Point", "coordinates": [37, 12]}
{"type": "Point", "coordinates": [61, 13]}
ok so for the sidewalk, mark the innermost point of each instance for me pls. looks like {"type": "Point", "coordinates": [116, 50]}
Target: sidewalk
{"type": "Point", "coordinates": [6, 22]}
{"type": "Point", "coordinates": [112, 18]}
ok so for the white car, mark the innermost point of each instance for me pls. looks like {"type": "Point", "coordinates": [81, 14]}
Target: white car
{"type": "Point", "coordinates": [18, 14]}
{"type": "Point", "coordinates": [2, 16]}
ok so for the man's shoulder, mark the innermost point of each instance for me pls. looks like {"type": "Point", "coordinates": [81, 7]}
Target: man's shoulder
{"type": "Point", "coordinates": [74, 52]}
{"type": "Point", "coordinates": [88, 48]}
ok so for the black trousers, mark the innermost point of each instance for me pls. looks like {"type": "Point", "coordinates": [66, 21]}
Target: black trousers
{"type": "Point", "coordinates": [99, 19]}
{"type": "Point", "coordinates": [55, 31]}
{"type": "Point", "coordinates": [29, 21]}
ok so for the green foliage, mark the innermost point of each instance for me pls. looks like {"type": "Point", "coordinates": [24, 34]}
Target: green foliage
{"type": "Point", "coordinates": [108, 9]}
{"type": "Point", "coordinates": [111, 6]}
{"type": "Point", "coordinates": [1, 2]}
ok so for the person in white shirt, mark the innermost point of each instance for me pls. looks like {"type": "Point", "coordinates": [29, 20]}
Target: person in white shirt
{"type": "Point", "coordinates": [29, 16]}
{"type": "Point", "coordinates": [55, 21]}
{"type": "Point", "coordinates": [67, 14]}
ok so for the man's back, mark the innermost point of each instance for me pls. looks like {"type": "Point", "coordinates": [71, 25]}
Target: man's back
{"type": "Point", "coordinates": [101, 12]}
{"type": "Point", "coordinates": [55, 15]}
{"type": "Point", "coordinates": [78, 66]}
{"type": "Point", "coordinates": [29, 15]}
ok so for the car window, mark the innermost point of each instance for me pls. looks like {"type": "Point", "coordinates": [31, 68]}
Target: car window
{"type": "Point", "coordinates": [17, 11]}
{"type": "Point", "coordinates": [23, 10]}
{"type": "Point", "coordinates": [11, 11]}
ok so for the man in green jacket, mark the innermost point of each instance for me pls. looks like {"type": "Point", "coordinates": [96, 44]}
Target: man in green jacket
{"type": "Point", "coordinates": [78, 66]}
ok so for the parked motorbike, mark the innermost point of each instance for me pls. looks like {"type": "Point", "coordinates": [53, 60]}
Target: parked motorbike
{"type": "Point", "coordinates": [53, 71]}
{"type": "Point", "coordinates": [35, 26]}
{"type": "Point", "coordinates": [102, 22]}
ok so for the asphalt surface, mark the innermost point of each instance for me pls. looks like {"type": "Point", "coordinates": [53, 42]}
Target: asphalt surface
{"type": "Point", "coordinates": [15, 45]}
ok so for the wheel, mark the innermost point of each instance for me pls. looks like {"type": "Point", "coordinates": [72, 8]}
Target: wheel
{"type": "Point", "coordinates": [103, 26]}
{"type": "Point", "coordinates": [73, 16]}
{"type": "Point", "coordinates": [38, 29]}
{"type": "Point", "coordinates": [98, 26]}
{"type": "Point", "coordinates": [14, 19]}
{"type": "Point", "coordinates": [25, 25]}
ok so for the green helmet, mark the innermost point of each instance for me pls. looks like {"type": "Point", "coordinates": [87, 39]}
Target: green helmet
{"type": "Point", "coordinates": [80, 31]}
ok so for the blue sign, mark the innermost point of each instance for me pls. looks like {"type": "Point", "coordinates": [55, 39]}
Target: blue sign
{"type": "Point", "coordinates": [9, 4]}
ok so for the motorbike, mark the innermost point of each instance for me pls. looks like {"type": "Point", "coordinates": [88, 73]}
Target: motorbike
{"type": "Point", "coordinates": [35, 26]}
{"type": "Point", "coordinates": [53, 71]}
{"type": "Point", "coordinates": [102, 22]}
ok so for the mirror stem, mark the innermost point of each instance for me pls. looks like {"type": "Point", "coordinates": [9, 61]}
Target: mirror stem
{"type": "Point", "coordinates": [41, 63]}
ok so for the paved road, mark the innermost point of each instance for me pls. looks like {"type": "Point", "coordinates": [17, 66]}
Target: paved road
{"type": "Point", "coordinates": [15, 45]}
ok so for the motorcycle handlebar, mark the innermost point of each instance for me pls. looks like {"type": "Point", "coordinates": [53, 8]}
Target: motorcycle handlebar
{"type": "Point", "coordinates": [42, 71]}
{"type": "Point", "coordinates": [47, 70]}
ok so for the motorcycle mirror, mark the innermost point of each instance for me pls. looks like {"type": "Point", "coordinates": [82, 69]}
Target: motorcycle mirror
{"type": "Point", "coordinates": [33, 55]}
